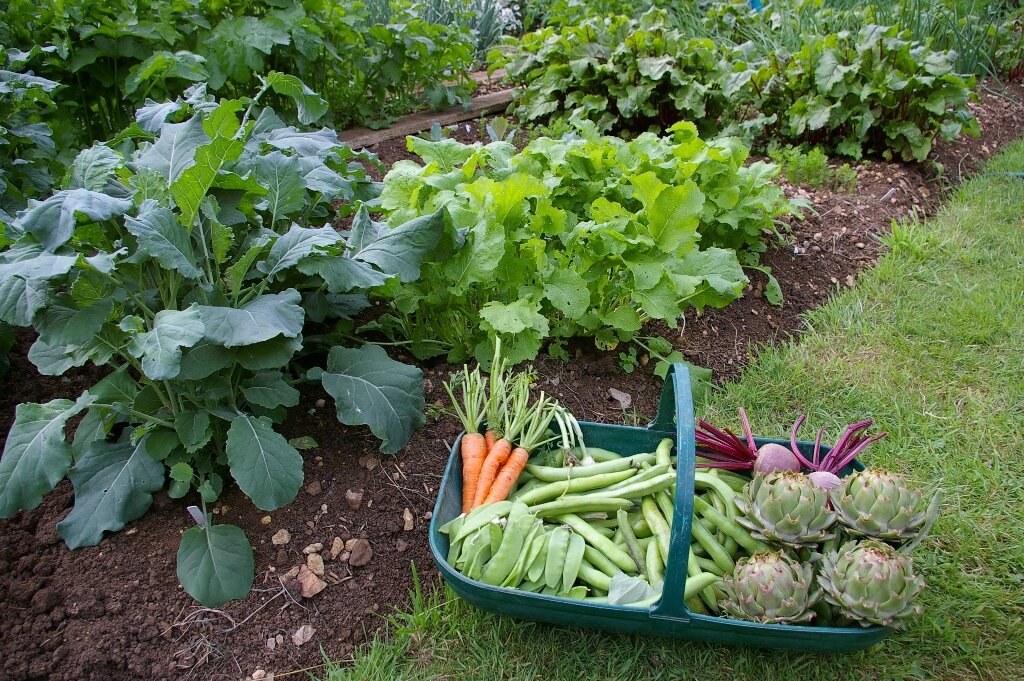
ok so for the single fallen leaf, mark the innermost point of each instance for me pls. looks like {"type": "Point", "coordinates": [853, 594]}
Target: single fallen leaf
{"type": "Point", "coordinates": [624, 399]}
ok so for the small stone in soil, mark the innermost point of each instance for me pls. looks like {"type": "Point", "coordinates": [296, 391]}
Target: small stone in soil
{"type": "Point", "coordinates": [303, 635]}
{"type": "Point", "coordinates": [313, 548]}
{"type": "Point", "coordinates": [309, 583]}
{"type": "Point", "coordinates": [354, 498]}
{"type": "Point", "coordinates": [265, 520]}
{"type": "Point", "coordinates": [428, 515]}
{"type": "Point", "coordinates": [290, 575]}
{"type": "Point", "coordinates": [313, 488]}
{"type": "Point", "coordinates": [337, 546]}
{"type": "Point", "coordinates": [282, 557]}
{"type": "Point", "coordinates": [271, 643]}
{"type": "Point", "coordinates": [281, 537]}
{"type": "Point", "coordinates": [349, 544]}
{"type": "Point", "coordinates": [259, 675]}
{"type": "Point", "coordinates": [316, 564]}
{"type": "Point", "coordinates": [409, 523]}
{"type": "Point", "coordinates": [401, 546]}
{"type": "Point", "coordinates": [362, 553]}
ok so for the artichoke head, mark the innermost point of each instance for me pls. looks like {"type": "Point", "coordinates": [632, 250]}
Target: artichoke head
{"type": "Point", "coordinates": [770, 588]}
{"type": "Point", "coordinates": [878, 504]}
{"type": "Point", "coordinates": [871, 582]}
{"type": "Point", "coordinates": [786, 507]}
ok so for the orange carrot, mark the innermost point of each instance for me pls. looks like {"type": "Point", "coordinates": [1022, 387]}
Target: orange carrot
{"type": "Point", "coordinates": [490, 437]}
{"type": "Point", "coordinates": [473, 454]}
{"type": "Point", "coordinates": [470, 412]}
{"type": "Point", "coordinates": [508, 475]}
{"type": "Point", "coordinates": [497, 456]}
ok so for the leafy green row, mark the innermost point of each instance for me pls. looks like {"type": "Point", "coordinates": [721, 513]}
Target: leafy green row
{"type": "Point", "coordinates": [868, 92]}
{"type": "Point", "coordinates": [181, 254]}
{"type": "Point", "coordinates": [583, 236]}
{"type": "Point", "coordinates": [113, 55]}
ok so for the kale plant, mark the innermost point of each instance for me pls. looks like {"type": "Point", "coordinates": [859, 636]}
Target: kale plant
{"type": "Point", "coordinates": [188, 254]}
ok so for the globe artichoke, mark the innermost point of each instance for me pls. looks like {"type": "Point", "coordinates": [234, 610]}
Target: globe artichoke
{"type": "Point", "coordinates": [786, 507]}
{"type": "Point", "coordinates": [870, 582]}
{"type": "Point", "coordinates": [878, 504]}
{"type": "Point", "coordinates": [770, 588]}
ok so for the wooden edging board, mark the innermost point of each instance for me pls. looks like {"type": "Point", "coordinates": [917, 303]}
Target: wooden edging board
{"type": "Point", "coordinates": [359, 138]}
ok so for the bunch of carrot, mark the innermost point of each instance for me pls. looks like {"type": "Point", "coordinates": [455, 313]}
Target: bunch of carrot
{"type": "Point", "coordinates": [493, 460]}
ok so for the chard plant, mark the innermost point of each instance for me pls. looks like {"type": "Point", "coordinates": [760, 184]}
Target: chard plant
{"type": "Point", "coordinates": [187, 255]}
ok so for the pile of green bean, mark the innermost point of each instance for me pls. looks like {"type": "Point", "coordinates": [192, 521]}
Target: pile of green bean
{"type": "Point", "coordinates": [570, 530]}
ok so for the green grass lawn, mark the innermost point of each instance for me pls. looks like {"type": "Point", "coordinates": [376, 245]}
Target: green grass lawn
{"type": "Point", "coordinates": [930, 343]}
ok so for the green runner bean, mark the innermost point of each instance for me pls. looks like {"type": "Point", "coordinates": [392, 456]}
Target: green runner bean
{"type": "Point", "coordinates": [599, 560]}
{"type": "Point", "coordinates": [730, 527]}
{"type": "Point", "coordinates": [655, 564]}
{"type": "Point", "coordinates": [594, 577]}
{"type": "Point", "coordinates": [599, 542]}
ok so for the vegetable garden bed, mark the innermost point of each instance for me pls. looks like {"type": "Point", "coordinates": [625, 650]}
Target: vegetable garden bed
{"type": "Point", "coordinates": [115, 611]}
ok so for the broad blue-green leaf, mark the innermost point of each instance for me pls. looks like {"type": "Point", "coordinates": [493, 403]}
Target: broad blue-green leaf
{"type": "Point", "coordinates": [53, 220]}
{"type": "Point", "coordinates": [114, 484]}
{"type": "Point", "coordinates": [370, 388]}
{"type": "Point", "coordinates": [190, 189]}
{"type": "Point", "coordinates": [162, 237]}
{"type": "Point", "coordinates": [675, 214]}
{"type": "Point", "coordinates": [309, 106]}
{"type": "Point", "coordinates": [175, 150]}
{"type": "Point", "coordinates": [153, 114]}
{"type": "Point", "coordinates": [203, 359]}
{"type": "Point", "coordinates": [36, 456]}
{"type": "Point", "coordinates": [160, 348]}
{"type": "Point", "coordinates": [307, 144]}
{"type": "Point", "coordinates": [343, 274]}
{"type": "Point", "coordinates": [51, 357]}
{"type": "Point", "coordinates": [215, 564]}
{"type": "Point", "coordinates": [93, 167]}
{"type": "Point", "coordinates": [265, 466]}
{"type": "Point", "coordinates": [193, 428]}
{"type": "Point", "coordinates": [286, 191]}
{"type": "Point", "coordinates": [294, 245]}
{"type": "Point", "coordinates": [269, 390]}
{"type": "Point", "coordinates": [24, 286]}
{"type": "Point", "coordinates": [568, 292]}
{"type": "Point", "coordinates": [400, 250]}
{"type": "Point", "coordinates": [258, 320]}
{"type": "Point", "coordinates": [62, 321]}
{"type": "Point", "coordinates": [270, 354]}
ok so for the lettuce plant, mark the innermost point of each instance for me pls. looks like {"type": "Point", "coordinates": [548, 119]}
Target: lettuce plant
{"type": "Point", "coordinates": [188, 254]}
{"type": "Point", "coordinates": [584, 236]}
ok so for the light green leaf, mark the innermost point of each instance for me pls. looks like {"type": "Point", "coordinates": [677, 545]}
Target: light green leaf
{"type": "Point", "coordinates": [161, 237]}
{"type": "Point", "coordinates": [235, 275]}
{"type": "Point", "coordinates": [52, 221]}
{"type": "Point", "coordinates": [93, 168]}
{"type": "Point", "coordinates": [175, 150]}
{"type": "Point", "coordinates": [182, 472]}
{"type": "Point", "coordinates": [191, 187]}
{"type": "Point", "coordinates": [114, 484]}
{"type": "Point", "coordinates": [310, 106]}
{"type": "Point", "coordinates": [215, 564]}
{"type": "Point", "coordinates": [258, 320]}
{"type": "Point", "coordinates": [568, 292]}
{"type": "Point", "coordinates": [265, 466]}
{"type": "Point", "coordinates": [153, 114]}
{"type": "Point", "coordinates": [343, 274]}
{"type": "Point", "coordinates": [160, 348]}
{"type": "Point", "coordinates": [370, 388]}
{"type": "Point", "coordinates": [674, 216]}
{"type": "Point", "coordinates": [303, 443]}
{"type": "Point", "coordinates": [269, 390]}
{"type": "Point", "coordinates": [515, 317]}
{"type": "Point", "coordinates": [36, 456]}
{"type": "Point", "coordinates": [400, 250]}
{"type": "Point", "coordinates": [163, 65]}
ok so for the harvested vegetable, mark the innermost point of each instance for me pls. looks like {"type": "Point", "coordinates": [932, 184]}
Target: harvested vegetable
{"type": "Point", "coordinates": [771, 588]}
{"type": "Point", "coordinates": [470, 412]}
{"type": "Point", "coordinates": [871, 583]}
{"type": "Point", "coordinates": [787, 508]}
{"type": "Point", "coordinates": [725, 450]}
{"type": "Point", "coordinates": [880, 505]}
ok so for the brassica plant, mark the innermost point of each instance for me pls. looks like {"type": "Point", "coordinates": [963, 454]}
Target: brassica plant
{"type": "Point", "coordinates": [188, 254]}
